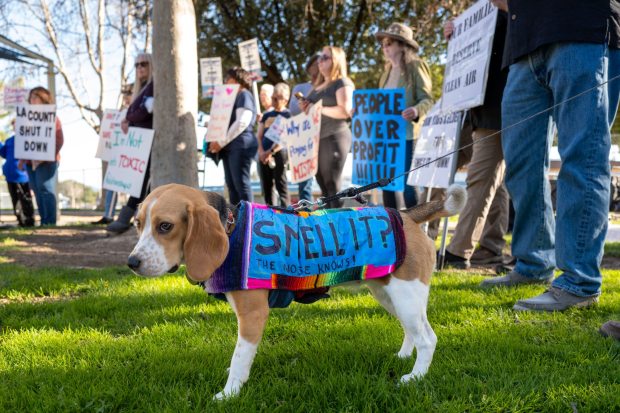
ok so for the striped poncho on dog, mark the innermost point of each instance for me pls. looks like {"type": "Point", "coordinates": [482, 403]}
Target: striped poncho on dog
{"type": "Point", "coordinates": [280, 249]}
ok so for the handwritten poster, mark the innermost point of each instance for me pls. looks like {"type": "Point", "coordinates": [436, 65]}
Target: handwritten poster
{"type": "Point", "coordinates": [109, 132]}
{"type": "Point", "coordinates": [14, 93]}
{"type": "Point", "coordinates": [250, 59]}
{"type": "Point", "coordinates": [35, 132]}
{"type": "Point", "coordinates": [301, 135]}
{"type": "Point", "coordinates": [210, 75]}
{"type": "Point", "coordinates": [469, 55]}
{"type": "Point", "coordinates": [221, 110]}
{"type": "Point", "coordinates": [128, 161]}
{"type": "Point", "coordinates": [379, 137]}
{"type": "Point", "coordinates": [276, 130]}
{"type": "Point", "coordinates": [438, 137]}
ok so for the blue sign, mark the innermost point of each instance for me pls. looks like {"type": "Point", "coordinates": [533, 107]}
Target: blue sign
{"type": "Point", "coordinates": [379, 137]}
{"type": "Point", "coordinates": [318, 243]}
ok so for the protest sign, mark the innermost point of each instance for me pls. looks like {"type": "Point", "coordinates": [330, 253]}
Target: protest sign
{"type": "Point", "coordinates": [469, 55]}
{"type": "Point", "coordinates": [276, 130]}
{"type": "Point", "coordinates": [250, 59]}
{"type": "Point", "coordinates": [439, 136]}
{"type": "Point", "coordinates": [109, 132]}
{"type": "Point", "coordinates": [210, 75]}
{"type": "Point", "coordinates": [35, 132]}
{"type": "Point", "coordinates": [128, 161]}
{"type": "Point", "coordinates": [14, 93]}
{"type": "Point", "coordinates": [379, 137]}
{"type": "Point", "coordinates": [221, 110]}
{"type": "Point", "coordinates": [301, 135]}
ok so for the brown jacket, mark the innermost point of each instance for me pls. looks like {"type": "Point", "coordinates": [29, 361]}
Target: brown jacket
{"type": "Point", "coordinates": [417, 87]}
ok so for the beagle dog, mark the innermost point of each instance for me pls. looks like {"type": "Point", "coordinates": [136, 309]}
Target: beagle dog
{"type": "Point", "coordinates": [177, 223]}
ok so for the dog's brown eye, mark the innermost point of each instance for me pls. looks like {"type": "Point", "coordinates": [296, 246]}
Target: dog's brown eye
{"type": "Point", "coordinates": [164, 227]}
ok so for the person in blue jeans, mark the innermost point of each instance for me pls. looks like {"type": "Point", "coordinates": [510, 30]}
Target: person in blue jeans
{"type": "Point", "coordinates": [557, 50]}
{"type": "Point", "coordinates": [239, 147]}
{"type": "Point", "coordinates": [42, 174]}
{"type": "Point", "coordinates": [17, 183]}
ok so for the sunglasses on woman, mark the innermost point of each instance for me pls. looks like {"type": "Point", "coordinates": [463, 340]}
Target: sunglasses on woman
{"type": "Point", "coordinates": [324, 58]}
{"type": "Point", "coordinates": [141, 64]}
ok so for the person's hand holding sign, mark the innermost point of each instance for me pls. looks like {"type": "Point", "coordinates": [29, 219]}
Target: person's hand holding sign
{"type": "Point", "coordinates": [125, 126]}
{"type": "Point", "coordinates": [448, 29]}
{"type": "Point", "coordinates": [410, 114]}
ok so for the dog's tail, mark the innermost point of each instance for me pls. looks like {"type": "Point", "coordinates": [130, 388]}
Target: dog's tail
{"type": "Point", "coordinates": [453, 204]}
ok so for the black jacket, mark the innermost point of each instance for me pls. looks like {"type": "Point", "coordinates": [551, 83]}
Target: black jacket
{"type": "Point", "coordinates": [535, 23]}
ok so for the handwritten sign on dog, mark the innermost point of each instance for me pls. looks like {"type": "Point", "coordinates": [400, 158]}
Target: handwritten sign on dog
{"type": "Point", "coordinates": [438, 137]}
{"type": "Point", "coordinates": [109, 132]}
{"type": "Point", "coordinates": [301, 136]}
{"type": "Point", "coordinates": [221, 110]}
{"type": "Point", "coordinates": [35, 132]}
{"type": "Point", "coordinates": [379, 137]}
{"type": "Point", "coordinates": [317, 244]}
{"type": "Point", "coordinates": [128, 162]}
{"type": "Point", "coordinates": [469, 55]}
{"type": "Point", "coordinates": [210, 75]}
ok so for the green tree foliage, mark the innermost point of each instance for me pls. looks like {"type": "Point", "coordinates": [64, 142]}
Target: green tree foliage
{"type": "Point", "coordinates": [289, 32]}
{"type": "Point", "coordinates": [78, 191]}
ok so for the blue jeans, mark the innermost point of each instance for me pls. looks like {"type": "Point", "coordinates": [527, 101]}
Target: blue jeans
{"type": "Point", "coordinates": [573, 240]}
{"type": "Point", "coordinates": [237, 163]}
{"type": "Point", "coordinates": [305, 189]}
{"type": "Point", "coordinates": [43, 183]}
{"type": "Point", "coordinates": [409, 196]}
{"type": "Point", "coordinates": [110, 203]}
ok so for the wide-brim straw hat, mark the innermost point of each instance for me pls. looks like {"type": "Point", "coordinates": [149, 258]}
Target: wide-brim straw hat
{"type": "Point", "coordinates": [401, 32]}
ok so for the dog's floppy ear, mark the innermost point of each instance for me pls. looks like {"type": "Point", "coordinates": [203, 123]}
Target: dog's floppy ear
{"type": "Point", "coordinates": [206, 244]}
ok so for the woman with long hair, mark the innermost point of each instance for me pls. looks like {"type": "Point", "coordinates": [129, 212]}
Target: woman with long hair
{"type": "Point", "coordinates": [335, 89]}
{"type": "Point", "coordinates": [405, 69]}
{"type": "Point", "coordinates": [42, 174]}
{"type": "Point", "coordinates": [139, 114]}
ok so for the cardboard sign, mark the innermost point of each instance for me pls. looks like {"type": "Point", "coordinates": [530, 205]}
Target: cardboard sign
{"type": "Point", "coordinates": [221, 110]}
{"type": "Point", "coordinates": [379, 137]}
{"type": "Point", "coordinates": [302, 134]}
{"type": "Point", "coordinates": [109, 131]}
{"type": "Point", "coordinates": [276, 130]}
{"type": "Point", "coordinates": [469, 55]}
{"type": "Point", "coordinates": [14, 95]}
{"type": "Point", "coordinates": [250, 59]}
{"type": "Point", "coordinates": [210, 75]}
{"type": "Point", "coordinates": [439, 136]}
{"type": "Point", "coordinates": [128, 162]}
{"type": "Point", "coordinates": [35, 132]}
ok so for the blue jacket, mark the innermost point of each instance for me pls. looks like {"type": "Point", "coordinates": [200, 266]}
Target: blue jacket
{"type": "Point", "coordinates": [9, 169]}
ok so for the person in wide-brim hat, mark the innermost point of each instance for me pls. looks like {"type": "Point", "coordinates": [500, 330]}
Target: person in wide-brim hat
{"type": "Point", "coordinates": [400, 32]}
{"type": "Point", "coordinates": [405, 70]}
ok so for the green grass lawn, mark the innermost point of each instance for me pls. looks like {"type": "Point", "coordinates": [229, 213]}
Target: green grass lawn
{"type": "Point", "coordinates": [105, 340]}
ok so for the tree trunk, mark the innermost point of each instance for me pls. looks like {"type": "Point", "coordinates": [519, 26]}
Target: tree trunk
{"type": "Point", "coordinates": [175, 74]}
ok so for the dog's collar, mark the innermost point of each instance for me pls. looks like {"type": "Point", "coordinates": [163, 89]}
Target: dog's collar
{"type": "Point", "coordinates": [230, 221]}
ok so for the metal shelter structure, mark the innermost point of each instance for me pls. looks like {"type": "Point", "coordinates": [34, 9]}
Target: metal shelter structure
{"type": "Point", "coordinates": [10, 50]}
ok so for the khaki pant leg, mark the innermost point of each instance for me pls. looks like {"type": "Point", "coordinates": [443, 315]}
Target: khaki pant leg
{"type": "Point", "coordinates": [485, 175]}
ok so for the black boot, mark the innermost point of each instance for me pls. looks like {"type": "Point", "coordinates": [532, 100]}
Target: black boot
{"type": "Point", "coordinates": [123, 222]}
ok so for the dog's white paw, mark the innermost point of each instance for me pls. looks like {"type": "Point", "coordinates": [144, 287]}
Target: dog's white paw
{"type": "Point", "coordinates": [223, 395]}
{"type": "Point", "coordinates": [408, 378]}
{"type": "Point", "coordinates": [404, 354]}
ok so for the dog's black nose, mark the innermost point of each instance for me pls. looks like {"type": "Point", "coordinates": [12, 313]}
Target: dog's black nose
{"type": "Point", "coordinates": [133, 262]}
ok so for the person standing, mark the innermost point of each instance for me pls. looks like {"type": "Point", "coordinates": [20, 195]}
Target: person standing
{"type": "Point", "coordinates": [17, 183]}
{"type": "Point", "coordinates": [304, 188]}
{"type": "Point", "coordinates": [558, 50]}
{"type": "Point", "coordinates": [238, 148]}
{"type": "Point", "coordinates": [335, 89]}
{"type": "Point", "coordinates": [484, 219]}
{"type": "Point", "coordinates": [405, 69]}
{"type": "Point", "coordinates": [42, 175]}
{"type": "Point", "coordinates": [140, 115]}
{"type": "Point", "coordinates": [273, 157]}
